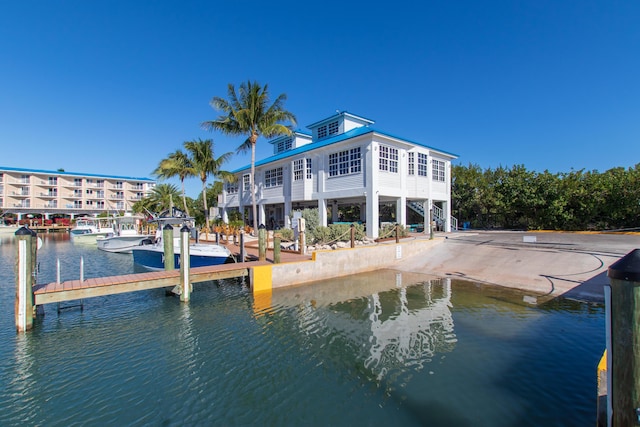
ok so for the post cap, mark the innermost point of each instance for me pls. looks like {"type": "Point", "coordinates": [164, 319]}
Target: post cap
{"type": "Point", "coordinates": [184, 229]}
{"type": "Point", "coordinates": [23, 231]}
{"type": "Point", "coordinates": [167, 227]}
{"type": "Point", "coordinates": [261, 227]}
{"type": "Point", "coordinates": [626, 268]}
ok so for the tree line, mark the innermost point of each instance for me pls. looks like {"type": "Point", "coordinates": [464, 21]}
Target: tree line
{"type": "Point", "coordinates": [517, 198]}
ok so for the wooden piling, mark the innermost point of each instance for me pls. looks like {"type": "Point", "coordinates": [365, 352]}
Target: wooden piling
{"type": "Point", "coordinates": [276, 248]}
{"type": "Point", "coordinates": [262, 243]}
{"type": "Point", "coordinates": [353, 236]}
{"type": "Point", "coordinates": [243, 253]}
{"type": "Point", "coordinates": [624, 276]}
{"type": "Point", "coordinates": [185, 265]}
{"type": "Point", "coordinates": [24, 270]}
{"type": "Point", "coordinates": [167, 242]}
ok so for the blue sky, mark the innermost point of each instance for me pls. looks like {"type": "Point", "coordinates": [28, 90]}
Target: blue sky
{"type": "Point", "coordinates": [112, 87]}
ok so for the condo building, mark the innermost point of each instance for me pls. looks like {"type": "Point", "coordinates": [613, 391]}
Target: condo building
{"type": "Point", "coordinates": [30, 191]}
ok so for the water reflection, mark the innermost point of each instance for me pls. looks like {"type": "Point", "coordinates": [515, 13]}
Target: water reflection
{"type": "Point", "coordinates": [391, 324]}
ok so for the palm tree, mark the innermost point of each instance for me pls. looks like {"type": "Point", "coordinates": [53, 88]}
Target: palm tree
{"type": "Point", "coordinates": [162, 196]}
{"type": "Point", "coordinates": [176, 164]}
{"type": "Point", "coordinates": [248, 113]}
{"type": "Point", "coordinates": [204, 164]}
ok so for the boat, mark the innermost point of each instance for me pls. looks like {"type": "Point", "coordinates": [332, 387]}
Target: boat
{"type": "Point", "coordinates": [125, 235]}
{"type": "Point", "coordinates": [88, 229]}
{"type": "Point", "coordinates": [151, 256]}
{"type": "Point", "coordinates": [6, 230]}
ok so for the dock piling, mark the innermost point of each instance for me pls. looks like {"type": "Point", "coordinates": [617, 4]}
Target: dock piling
{"type": "Point", "coordinates": [185, 265]}
{"type": "Point", "coordinates": [24, 309]}
{"type": "Point", "coordinates": [167, 241]}
{"type": "Point", "coordinates": [262, 243]}
{"type": "Point", "coordinates": [624, 394]}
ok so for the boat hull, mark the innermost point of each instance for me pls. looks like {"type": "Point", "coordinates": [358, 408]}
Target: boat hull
{"type": "Point", "coordinates": [152, 256]}
{"type": "Point", "coordinates": [80, 237]}
{"type": "Point", "coordinates": [121, 244]}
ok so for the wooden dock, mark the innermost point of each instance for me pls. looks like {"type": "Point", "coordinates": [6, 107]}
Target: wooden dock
{"type": "Point", "coordinates": [76, 289]}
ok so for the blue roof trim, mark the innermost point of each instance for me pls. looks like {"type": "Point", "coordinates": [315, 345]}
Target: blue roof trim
{"type": "Point", "coordinates": [36, 171]}
{"type": "Point", "coordinates": [335, 139]}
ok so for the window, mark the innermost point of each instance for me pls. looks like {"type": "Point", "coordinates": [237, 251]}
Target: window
{"type": "Point", "coordinates": [345, 162]}
{"type": "Point", "coordinates": [411, 159]}
{"type": "Point", "coordinates": [273, 177]}
{"type": "Point", "coordinates": [422, 164]}
{"type": "Point", "coordinates": [246, 182]}
{"type": "Point", "coordinates": [298, 169]}
{"type": "Point", "coordinates": [77, 182]}
{"type": "Point", "coordinates": [309, 176]}
{"type": "Point", "coordinates": [333, 128]}
{"type": "Point", "coordinates": [327, 130]}
{"type": "Point", "coordinates": [77, 204]}
{"type": "Point", "coordinates": [388, 159]}
{"type": "Point", "coordinates": [232, 187]}
{"type": "Point", "coordinates": [284, 145]}
{"type": "Point", "coordinates": [437, 170]}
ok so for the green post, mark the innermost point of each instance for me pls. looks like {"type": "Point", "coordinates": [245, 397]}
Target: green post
{"type": "Point", "coordinates": [276, 248]}
{"type": "Point", "coordinates": [262, 243]}
{"type": "Point", "coordinates": [185, 265]}
{"type": "Point", "coordinates": [624, 276]}
{"type": "Point", "coordinates": [167, 242]}
{"type": "Point", "coordinates": [24, 271]}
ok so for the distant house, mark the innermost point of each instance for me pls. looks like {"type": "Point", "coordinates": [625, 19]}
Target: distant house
{"type": "Point", "coordinates": [345, 162]}
{"type": "Point", "coordinates": [35, 191]}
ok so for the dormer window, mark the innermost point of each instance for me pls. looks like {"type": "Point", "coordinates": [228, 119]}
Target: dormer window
{"type": "Point", "coordinates": [284, 145]}
{"type": "Point", "coordinates": [332, 128]}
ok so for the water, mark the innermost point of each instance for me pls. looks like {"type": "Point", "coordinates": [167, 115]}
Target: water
{"type": "Point", "coordinates": [380, 349]}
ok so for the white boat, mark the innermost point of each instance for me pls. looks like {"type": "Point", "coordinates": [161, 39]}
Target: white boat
{"type": "Point", "coordinates": [6, 230]}
{"type": "Point", "coordinates": [125, 235]}
{"type": "Point", "coordinates": [88, 229]}
{"type": "Point", "coordinates": [151, 256]}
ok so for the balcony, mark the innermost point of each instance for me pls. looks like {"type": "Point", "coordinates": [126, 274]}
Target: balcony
{"type": "Point", "coordinates": [22, 193]}
{"type": "Point", "coordinates": [52, 195]}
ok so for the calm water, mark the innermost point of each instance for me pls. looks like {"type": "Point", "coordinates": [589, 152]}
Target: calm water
{"type": "Point", "coordinates": [380, 349]}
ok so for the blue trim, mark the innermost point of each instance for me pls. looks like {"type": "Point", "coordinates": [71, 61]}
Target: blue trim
{"type": "Point", "coordinates": [42, 171]}
{"type": "Point", "coordinates": [353, 133]}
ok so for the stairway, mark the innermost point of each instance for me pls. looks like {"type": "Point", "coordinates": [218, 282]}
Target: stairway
{"type": "Point", "coordinates": [438, 214]}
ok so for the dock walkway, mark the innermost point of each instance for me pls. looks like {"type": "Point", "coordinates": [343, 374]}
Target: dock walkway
{"type": "Point", "coordinates": [77, 289]}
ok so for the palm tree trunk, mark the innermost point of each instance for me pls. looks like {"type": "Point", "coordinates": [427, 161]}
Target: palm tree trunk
{"type": "Point", "coordinates": [204, 200]}
{"type": "Point", "coordinates": [184, 198]}
{"type": "Point", "coordinates": [253, 188]}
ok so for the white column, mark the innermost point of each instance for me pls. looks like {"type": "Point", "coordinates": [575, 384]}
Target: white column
{"type": "Point", "coordinates": [401, 210]}
{"type": "Point", "coordinates": [322, 212]}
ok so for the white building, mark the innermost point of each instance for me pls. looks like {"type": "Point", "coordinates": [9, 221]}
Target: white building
{"type": "Point", "coordinates": [29, 191]}
{"type": "Point", "coordinates": [346, 162]}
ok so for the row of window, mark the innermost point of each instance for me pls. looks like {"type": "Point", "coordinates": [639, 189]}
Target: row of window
{"type": "Point", "coordinates": [348, 162]}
